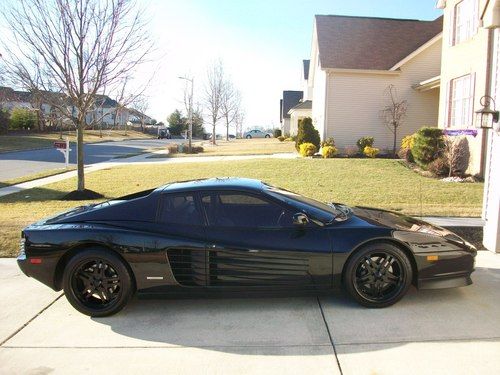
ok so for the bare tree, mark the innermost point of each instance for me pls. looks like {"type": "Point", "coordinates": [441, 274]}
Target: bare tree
{"type": "Point", "coordinates": [214, 94]}
{"type": "Point", "coordinates": [239, 120]}
{"type": "Point", "coordinates": [77, 48]}
{"type": "Point", "coordinates": [141, 105]}
{"type": "Point", "coordinates": [394, 113]}
{"type": "Point", "coordinates": [230, 105]}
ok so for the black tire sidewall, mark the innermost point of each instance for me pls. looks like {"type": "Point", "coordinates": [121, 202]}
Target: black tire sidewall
{"type": "Point", "coordinates": [120, 268]}
{"type": "Point", "coordinates": [352, 265]}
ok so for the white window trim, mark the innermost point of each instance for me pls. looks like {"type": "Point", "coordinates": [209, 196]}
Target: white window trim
{"type": "Point", "coordinates": [467, 116]}
{"type": "Point", "coordinates": [472, 28]}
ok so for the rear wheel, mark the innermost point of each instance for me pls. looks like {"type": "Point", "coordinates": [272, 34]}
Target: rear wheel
{"type": "Point", "coordinates": [378, 275]}
{"type": "Point", "coordinates": [249, 136]}
{"type": "Point", "coordinates": [97, 283]}
{"type": "Point", "coordinates": [268, 136]}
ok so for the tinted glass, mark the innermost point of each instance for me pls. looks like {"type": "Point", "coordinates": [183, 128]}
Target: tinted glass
{"type": "Point", "coordinates": [244, 210]}
{"type": "Point", "coordinates": [180, 209]}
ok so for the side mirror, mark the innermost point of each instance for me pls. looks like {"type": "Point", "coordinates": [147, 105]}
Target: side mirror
{"type": "Point", "coordinates": [300, 219]}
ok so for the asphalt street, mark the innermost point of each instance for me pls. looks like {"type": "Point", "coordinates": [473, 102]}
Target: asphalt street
{"type": "Point", "coordinates": [24, 163]}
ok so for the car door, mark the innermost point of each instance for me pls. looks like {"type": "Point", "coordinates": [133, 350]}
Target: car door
{"type": "Point", "coordinates": [252, 243]}
{"type": "Point", "coordinates": [180, 221]}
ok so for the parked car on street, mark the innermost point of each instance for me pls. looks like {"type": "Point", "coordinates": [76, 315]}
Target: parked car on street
{"type": "Point", "coordinates": [256, 133]}
{"type": "Point", "coordinates": [164, 133]}
{"type": "Point", "coordinates": [231, 235]}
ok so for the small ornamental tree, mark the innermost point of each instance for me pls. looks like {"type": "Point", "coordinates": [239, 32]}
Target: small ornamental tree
{"type": "Point", "coordinates": [176, 123]}
{"type": "Point", "coordinates": [22, 118]}
{"type": "Point", "coordinates": [428, 145]}
{"type": "Point", "coordinates": [307, 134]}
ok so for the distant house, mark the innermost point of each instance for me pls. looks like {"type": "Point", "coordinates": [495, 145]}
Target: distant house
{"type": "Point", "coordinates": [354, 60]}
{"type": "Point", "coordinates": [105, 111]}
{"type": "Point", "coordinates": [290, 99]}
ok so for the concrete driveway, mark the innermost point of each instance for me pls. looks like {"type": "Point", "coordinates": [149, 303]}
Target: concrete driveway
{"type": "Point", "coordinates": [454, 331]}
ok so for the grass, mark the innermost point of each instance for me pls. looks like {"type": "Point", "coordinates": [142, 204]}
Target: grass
{"type": "Point", "coordinates": [36, 176]}
{"type": "Point", "coordinates": [18, 142]}
{"type": "Point", "coordinates": [238, 147]}
{"type": "Point", "coordinates": [377, 183]}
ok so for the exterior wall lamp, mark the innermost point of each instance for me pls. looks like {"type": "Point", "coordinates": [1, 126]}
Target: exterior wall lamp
{"type": "Point", "coordinates": [486, 117]}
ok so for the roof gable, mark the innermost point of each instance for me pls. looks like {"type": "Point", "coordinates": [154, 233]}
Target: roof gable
{"type": "Point", "coordinates": [347, 42]}
{"type": "Point", "coordinates": [306, 64]}
{"type": "Point", "coordinates": [290, 100]}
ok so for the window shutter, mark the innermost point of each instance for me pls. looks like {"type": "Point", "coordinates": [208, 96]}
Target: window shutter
{"type": "Point", "coordinates": [447, 105]}
{"type": "Point", "coordinates": [473, 97]}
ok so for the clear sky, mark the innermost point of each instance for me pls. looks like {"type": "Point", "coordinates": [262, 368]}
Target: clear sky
{"type": "Point", "coordinates": [261, 43]}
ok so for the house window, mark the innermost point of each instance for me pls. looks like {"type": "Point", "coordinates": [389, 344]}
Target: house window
{"type": "Point", "coordinates": [466, 20]}
{"type": "Point", "coordinates": [461, 101]}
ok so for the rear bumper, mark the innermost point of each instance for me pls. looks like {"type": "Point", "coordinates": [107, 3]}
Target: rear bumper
{"type": "Point", "coordinates": [43, 272]}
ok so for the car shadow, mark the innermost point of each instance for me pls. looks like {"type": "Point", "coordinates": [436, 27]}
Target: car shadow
{"type": "Point", "coordinates": [268, 325]}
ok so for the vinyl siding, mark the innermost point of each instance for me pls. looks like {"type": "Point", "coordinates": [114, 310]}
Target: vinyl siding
{"type": "Point", "coordinates": [355, 101]}
{"type": "Point", "coordinates": [468, 57]}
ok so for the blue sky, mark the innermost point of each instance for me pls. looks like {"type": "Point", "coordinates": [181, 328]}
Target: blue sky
{"type": "Point", "coordinates": [261, 43]}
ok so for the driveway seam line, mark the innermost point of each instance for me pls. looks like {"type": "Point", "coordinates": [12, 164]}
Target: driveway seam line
{"type": "Point", "coordinates": [166, 347]}
{"type": "Point", "coordinates": [446, 339]}
{"type": "Point", "coordinates": [29, 321]}
{"type": "Point", "coordinates": [329, 335]}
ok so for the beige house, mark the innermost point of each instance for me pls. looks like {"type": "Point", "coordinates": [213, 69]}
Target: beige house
{"type": "Point", "coordinates": [355, 59]}
{"type": "Point", "coordinates": [464, 73]}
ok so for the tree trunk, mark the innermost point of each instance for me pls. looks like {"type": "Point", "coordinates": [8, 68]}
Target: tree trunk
{"type": "Point", "coordinates": [394, 144]}
{"type": "Point", "coordinates": [213, 134]}
{"type": "Point", "coordinates": [227, 129]}
{"type": "Point", "coordinates": [79, 154]}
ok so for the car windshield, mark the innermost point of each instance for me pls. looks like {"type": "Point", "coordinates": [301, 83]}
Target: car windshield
{"type": "Point", "coordinates": [317, 210]}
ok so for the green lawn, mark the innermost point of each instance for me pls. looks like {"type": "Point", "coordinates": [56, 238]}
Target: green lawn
{"type": "Point", "coordinates": [36, 176]}
{"type": "Point", "coordinates": [18, 142]}
{"type": "Point", "coordinates": [238, 147]}
{"type": "Point", "coordinates": [378, 183]}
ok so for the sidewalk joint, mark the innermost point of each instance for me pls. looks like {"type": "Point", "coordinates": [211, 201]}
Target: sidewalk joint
{"type": "Point", "coordinates": [329, 335]}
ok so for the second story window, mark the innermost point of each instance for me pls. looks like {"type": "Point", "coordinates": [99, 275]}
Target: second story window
{"type": "Point", "coordinates": [466, 20]}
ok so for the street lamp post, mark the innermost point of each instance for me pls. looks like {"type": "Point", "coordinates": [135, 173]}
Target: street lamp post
{"type": "Point", "coordinates": [190, 129]}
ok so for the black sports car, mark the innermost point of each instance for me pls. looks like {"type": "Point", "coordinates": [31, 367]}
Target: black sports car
{"type": "Point", "coordinates": [236, 235]}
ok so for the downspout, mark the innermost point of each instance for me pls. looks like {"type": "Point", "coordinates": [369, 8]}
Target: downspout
{"type": "Point", "coordinates": [487, 91]}
{"type": "Point", "coordinates": [327, 78]}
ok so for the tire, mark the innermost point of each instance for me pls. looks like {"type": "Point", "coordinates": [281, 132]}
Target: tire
{"type": "Point", "coordinates": [378, 275]}
{"type": "Point", "coordinates": [268, 136]}
{"type": "Point", "coordinates": [88, 288]}
{"type": "Point", "coordinates": [248, 137]}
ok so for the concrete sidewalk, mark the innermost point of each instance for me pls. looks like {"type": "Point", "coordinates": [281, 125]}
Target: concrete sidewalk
{"type": "Point", "coordinates": [455, 331]}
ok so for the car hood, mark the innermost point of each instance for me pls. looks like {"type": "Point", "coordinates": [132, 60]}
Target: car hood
{"type": "Point", "coordinates": [394, 220]}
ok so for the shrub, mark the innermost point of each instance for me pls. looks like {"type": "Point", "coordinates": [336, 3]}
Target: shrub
{"type": "Point", "coordinates": [439, 167]}
{"type": "Point", "coordinates": [307, 149]}
{"type": "Point", "coordinates": [307, 134]}
{"type": "Point", "coordinates": [328, 142]}
{"type": "Point", "coordinates": [350, 151]}
{"type": "Point", "coordinates": [371, 152]}
{"type": "Point", "coordinates": [364, 142]}
{"type": "Point", "coordinates": [289, 139]}
{"type": "Point", "coordinates": [277, 133]}
{"type": "Point", "coordinates": [456, 154]}
{"type": "Point", "coordinates": [173, 149]}
{"type": "Point", "coordinates": [428, 145]}
{"type": "Point", "coordinates": [328, 151]}
{"type": "Point", "coordinates": [281, 138]}
{"type": "Point", "coordinates": [22, 118]}
{"type": "Point", "coordinates": [408, 141]}
{"type": "Point", "coordinates": [4, 121]}
{"type": "Point", "coordinates": [197, 149]}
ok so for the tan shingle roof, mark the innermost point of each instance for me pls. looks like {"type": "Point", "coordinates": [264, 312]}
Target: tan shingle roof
{"type": "Point", "coordinates": [370, 43]}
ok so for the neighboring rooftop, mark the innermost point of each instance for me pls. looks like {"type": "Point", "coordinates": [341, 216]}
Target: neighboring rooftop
{"type": "Point", "coordinates": [290, 100]}
{"type": "Point", "coordinates": [348, 42]}
{"type": "Point", "coordinates": [302, 105]}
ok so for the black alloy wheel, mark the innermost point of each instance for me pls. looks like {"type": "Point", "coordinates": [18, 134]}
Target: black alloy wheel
{"type": "Point", "coordinates": [97, 283]}
{"type": "Point", "coordinates": [379, 275]}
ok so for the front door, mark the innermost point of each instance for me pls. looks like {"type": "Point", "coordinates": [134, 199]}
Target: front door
{"type": "Point", "coordinates": [252, 243]}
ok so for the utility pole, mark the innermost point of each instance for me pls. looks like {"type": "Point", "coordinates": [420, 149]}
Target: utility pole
{"type": "Point", "coordinates": [190, 115]}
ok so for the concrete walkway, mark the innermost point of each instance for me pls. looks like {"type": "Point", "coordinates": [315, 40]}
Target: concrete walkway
{"type": "Point", "coordinates": [453, 331]}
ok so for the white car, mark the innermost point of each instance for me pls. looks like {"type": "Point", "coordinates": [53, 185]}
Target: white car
{"type": "Point", "coordinates": [256, 133]}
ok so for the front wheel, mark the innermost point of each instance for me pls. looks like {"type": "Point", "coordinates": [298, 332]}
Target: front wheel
{"type": "Point", "coordinates": [248, 137]}
{"type": "Point", "coordinates": [379, 275]}
{"type": "Point", "coordinates": [268, 136]}
{"type": "Point", "coordinates": [97, 283]}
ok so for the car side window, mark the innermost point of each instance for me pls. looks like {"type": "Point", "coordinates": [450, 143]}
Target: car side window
{"type": "Point", "coordinates": [179, 209]}
{"type": "Point", "coordinates": [244, 210]}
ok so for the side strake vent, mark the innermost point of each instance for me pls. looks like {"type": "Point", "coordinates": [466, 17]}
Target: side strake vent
{"type": "Point", "coordinates": [188, 266]}
{"type": "Point", "coordinates": [232, 268]}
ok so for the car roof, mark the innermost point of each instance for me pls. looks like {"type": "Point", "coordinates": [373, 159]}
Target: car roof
{"type": "Point", "coordinates": [219, 183]}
